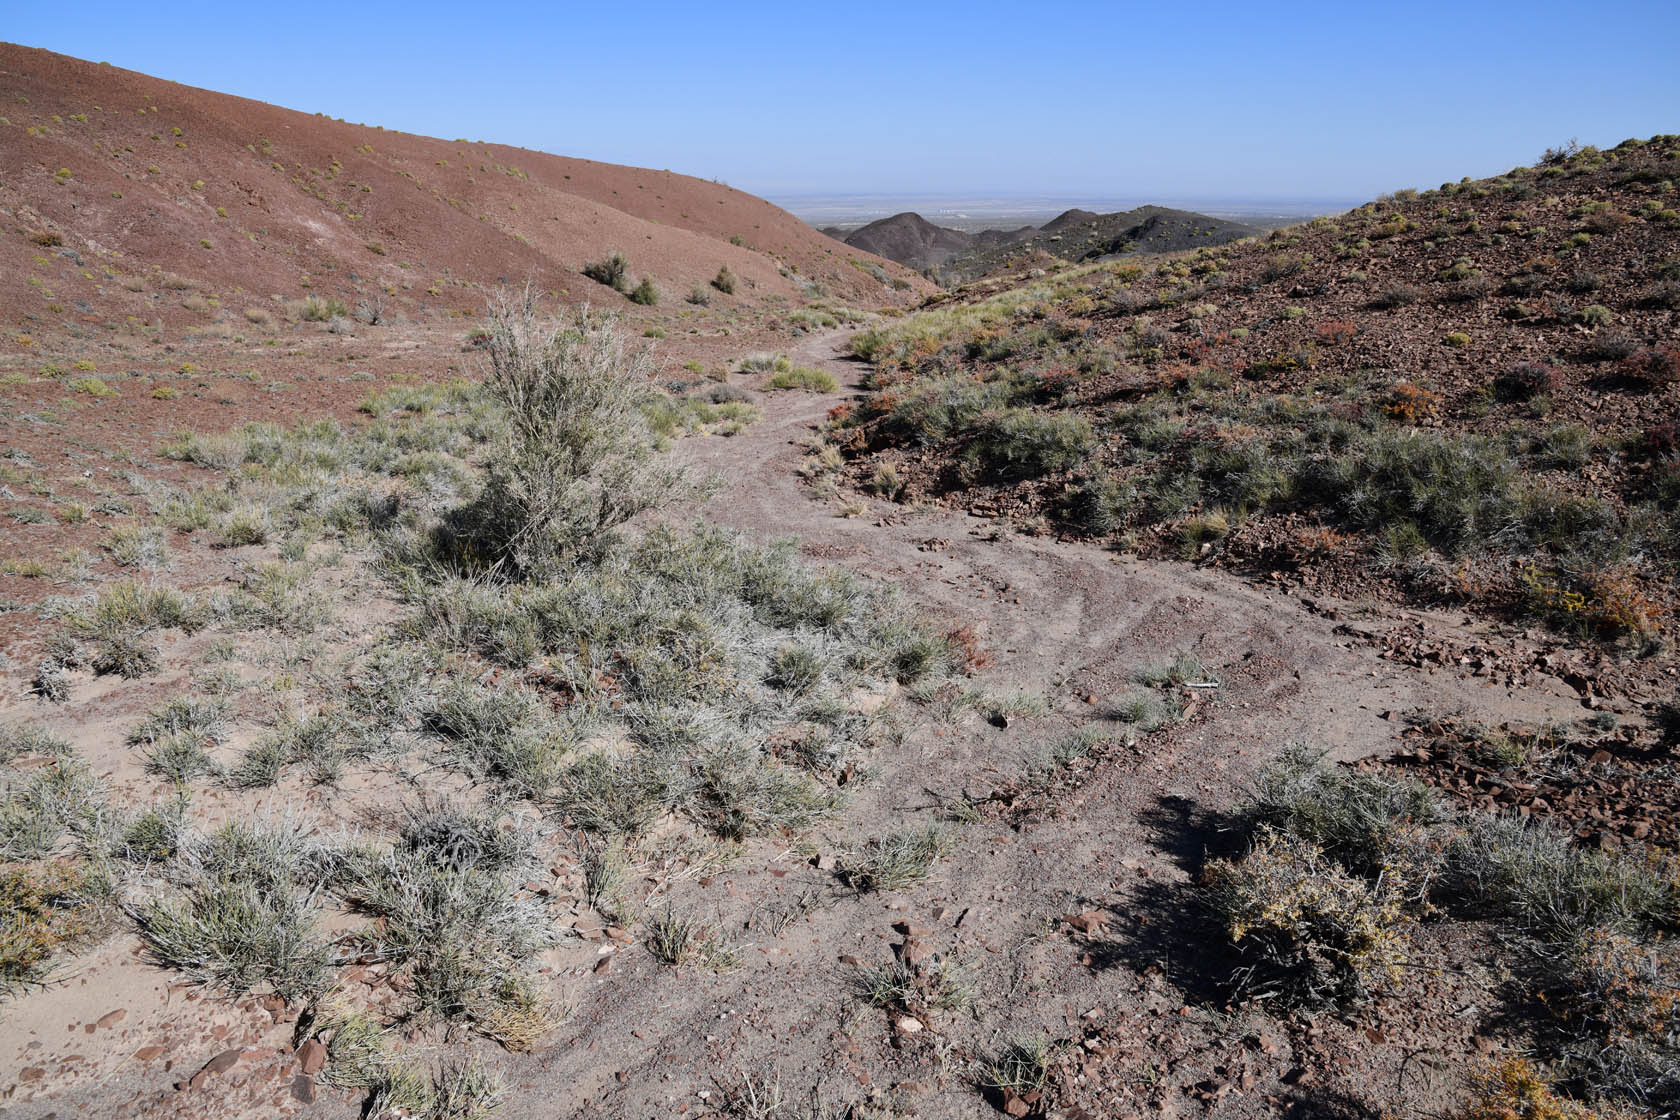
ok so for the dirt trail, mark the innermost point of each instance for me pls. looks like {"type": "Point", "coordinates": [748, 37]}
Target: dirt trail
{"type": "Point", "coordinates": [1070, 620]}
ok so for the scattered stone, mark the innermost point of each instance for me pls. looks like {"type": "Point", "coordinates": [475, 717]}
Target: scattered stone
{"type": "Point", "coordinates": [311, 1056]}
{"type": "Point", "coordinates": [216, 1066]}
{"type": "Point", "coordinates": [1087, 922]}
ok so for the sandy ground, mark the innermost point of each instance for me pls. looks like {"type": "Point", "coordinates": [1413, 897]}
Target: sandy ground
{"type": "Point", "coordinates": [1066, 619]}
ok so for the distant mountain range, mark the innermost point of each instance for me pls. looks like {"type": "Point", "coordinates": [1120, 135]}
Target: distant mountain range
{"type": "Point", "coordinates": [1074, 235]}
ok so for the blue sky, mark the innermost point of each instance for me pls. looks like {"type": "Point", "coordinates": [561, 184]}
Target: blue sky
{"type": "Point", "coordinates": [1235, 101]}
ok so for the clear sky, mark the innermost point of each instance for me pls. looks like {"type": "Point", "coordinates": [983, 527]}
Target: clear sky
{"type": "Point", "coordinates": [1241, 100]}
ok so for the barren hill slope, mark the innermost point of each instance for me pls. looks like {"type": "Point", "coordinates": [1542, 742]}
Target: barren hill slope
{"type": "Point", "coordinates": [136, 175]}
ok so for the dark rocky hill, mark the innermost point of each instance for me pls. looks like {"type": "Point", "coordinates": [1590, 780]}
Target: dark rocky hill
{"type": "Point", "coordinates": [1073, 235]}
{"type": "Point", "coordinates": [911, 240]}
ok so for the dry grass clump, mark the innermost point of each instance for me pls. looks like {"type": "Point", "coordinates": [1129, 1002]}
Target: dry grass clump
{"type": "Point", "coordinates": [896, 861]}
{"type": "Point", "coordinates": [120, 620]}
{"type": "Point", "coordinates": [1310, 931]}
{"type": "Point", "coordinates": [316, 309]}
{"type": "Point", "coordinates": [44, 910]}
{"type": "Point", "coordinates": [25, 739]}
{"type": "Point", "coordinates": [245, 913]}
{"type": "Point", "coordinates": [921, 989]}
{"type": "Point", "coordinates": [178, 736]}
{"type": "Point", "coordinates": [1341, 863]}
{"type": "Point", "coordinates": [1514, 1089]}
{"type": "Point", "coordinates": [44, 805]}
{"type": "Point", "coordinates": [455, 919]}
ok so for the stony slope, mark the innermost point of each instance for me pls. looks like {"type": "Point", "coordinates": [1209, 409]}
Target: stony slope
{"type": "Point", "coordinates": [1466, 395]}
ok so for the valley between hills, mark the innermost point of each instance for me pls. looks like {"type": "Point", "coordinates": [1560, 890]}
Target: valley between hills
{"type": "Point", "coordinates": [488, 633]}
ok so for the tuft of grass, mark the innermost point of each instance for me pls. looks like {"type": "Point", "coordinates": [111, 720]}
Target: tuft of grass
{"type": "Point", "coordinates": [155, 834]}
{"type": "Point", "coordinates": [607, 878]}
{"type": "Point", "coordinates": [138, 546]}
{"type": "Point", "coordinates": [896, 861]}
{"type": "Point", "coordinates": [40, 808]}
{"type": "Point", "coordinates": [245, 917]}
{"type": "Point", "coordinates": [455, 920]}
{"type": "Point", "coordinates": [801, 377]}
{"type": "Point", "coordinates": [795, 669]}
{"type": "Point", "coordinates": [762, 362]}
{"type": "Point", "coordinates": [177, 738]}
{"type": "Point", "coordinates": [1147, 711]}
{"type": "Point", "coordinates": [1182, 668]}
{"type": "Point", "coordinates": [1001, 707]}
{"type": "Point", "coordinates": [357, 1055]}
{"type": "Point", "coordinates": [935, 984]}
{"type": "Point", "coordinates": [676, 939]}
{"type": "Point", "coordinates": [1533, 877]}
{"type": "Point", "coordinates": [24, 739]}
{"type": "Point", "coordinates": [276, 595]}
{"type": "Point", "coordinates": [44, 910]}
{"type": "Point", "coordinates": [503, 734]}
{"type": "Point", "coordinates": [1021, 1067]}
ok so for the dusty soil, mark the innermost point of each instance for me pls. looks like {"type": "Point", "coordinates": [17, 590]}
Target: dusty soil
{"type": "Point", "coordinates": [1065, 908]}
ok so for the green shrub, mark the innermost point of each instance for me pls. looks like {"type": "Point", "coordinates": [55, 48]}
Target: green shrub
{"type": "Point", "coordinates": [575, 458]}
{"type": "Point", "coordinates": [644, 293]}
{"type": "Point", "coordinates": [92, 386]}
{"type": "Point", "coordinates": [1098, 505]}
{"type": "Point", "coordinates": [612, 270]}
{"type": "Point", "coordinates": [1458, 490]}
{"type": "Point", "coordinates": [724, 281]}
{"type": "Point", "coordinates": [1019, 443]}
